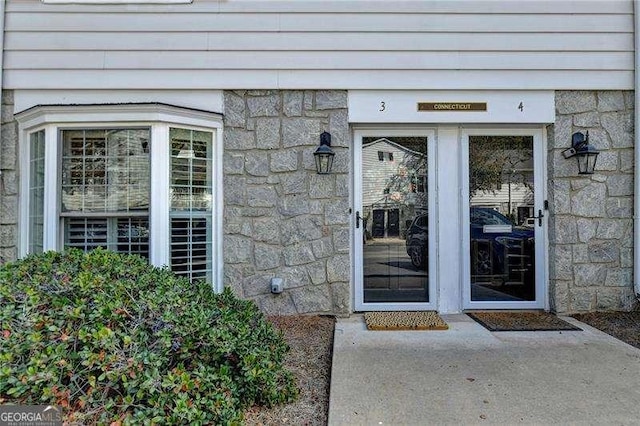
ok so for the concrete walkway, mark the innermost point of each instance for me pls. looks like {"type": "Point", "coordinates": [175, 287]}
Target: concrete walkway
{"type": "Point", "coordinates": [468, 375]}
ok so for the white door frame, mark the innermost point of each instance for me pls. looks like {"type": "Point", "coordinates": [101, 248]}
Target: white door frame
{"type": "Point", "coordinates": [539, 164]}
{"type": "Point", "coordinates": [357, 232]}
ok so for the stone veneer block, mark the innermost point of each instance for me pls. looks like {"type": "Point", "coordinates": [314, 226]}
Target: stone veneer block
{"type": "Point", "coordinates": [317, 272]}
{"type": "Point", "coordinates": [293, 205]}
{"type": "Point", "coordinates": [295, 276]}
{"type": "Point", "coordinates": [322, 186]}
{"type": "Point", "coordinates": [284, 161]}
{"type": "Point", "coordinates": [264, 106]}
{"type": "Point", "coordinates": [338, 268]}
{"type": "Point", "coordinates": [587, 201]}
{"type": "Point", "coordinates": [292, 103]}
{"type": "Point", "coordinates": [237, 139]}
{"type": "Point", "coordinates": [619, 277]}
{"type": "Point", "coordinates": [312, 299]}
{"type": "Point", "coordinates": [10, 182]}
{"type": "Point", "coordinates": [233, 164]}
{"type": "Point", "coordinates": [300, 132]}
{"type": "Point", "coordinates": [599, 138]}
{"type": "Point", "coordinates": [331, 99]}
{"type": "Point", "coordinates": [572, 102]}
{"type": "Point", "coordinates": [302, 228]}
{"type": "Point", "coordinates": [267, 133]}
{"type": "Point", "coordinates": [582, 299]}
{"type": "Point", "coordinates": [261, 196]}
{"type": "Point", "coordinates": [9, 209]}
{"type": "Point", "coordinates": [619, 127]}
{"type": "Point", "coordinates": [586, 229]}
{"type": "Point", "coordinates": [8, 254]}
{"type": "Point", "coordinates": [586, 119]}
{"type": "Point", "coordinates": [298, 254]}
{"type": "Point", "coordinates": [339, 129]}
{"type": "Point", "coordinates": [257, 164]}
{"type": "Point", "coordinates": [237, 249]}
{"type": "Point", "coordinates": [604, 252]}
{"type": "Point", "coordinates": [620, 184]}
{"type": "Point", "coordinates": [267, 256]}
{"type": "Point", "coordinates": [294, 183]}
{"type": "Point", "coordinates": [610, 101]}
{"type": "Point", "coordinates": [277, 305]}
{"type": "Point", "coordinates": [267, 229]}
{"type": "Point", "coordinates": [9, 146]}
{"type": "Point", "coordinates": [234, 110]}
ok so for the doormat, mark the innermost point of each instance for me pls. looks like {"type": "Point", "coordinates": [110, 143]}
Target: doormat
{"type": "Point", "coordinates": [404, 320]}
{"type": "Point", "coordinates": [521, 321]}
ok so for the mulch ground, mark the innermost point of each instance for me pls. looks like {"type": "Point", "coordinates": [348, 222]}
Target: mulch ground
{"type": "Point", "coordinates": [311, 341]}
{"type": "Point", "coordinates": [621, 325]}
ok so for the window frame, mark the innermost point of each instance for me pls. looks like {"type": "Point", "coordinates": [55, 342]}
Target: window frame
{"type": "Point", "coordinates": [159, 118]}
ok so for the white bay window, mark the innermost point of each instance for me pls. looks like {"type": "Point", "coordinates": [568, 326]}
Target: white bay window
{"type": "Point", "coordinates": [133, 178]}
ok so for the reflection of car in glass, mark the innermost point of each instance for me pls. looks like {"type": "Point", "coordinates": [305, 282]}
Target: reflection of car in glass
{"type": "Point", "coordinates": [418, 241]}
{"type": "Point", "coordinates": [498, 248]}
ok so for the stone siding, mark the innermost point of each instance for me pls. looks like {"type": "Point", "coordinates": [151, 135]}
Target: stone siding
{"type": "Point", "coordinates": [282, 219]}
{"type": "Point", "coordinates": [8, 181]}
{"type": "Point", "coordinates": [591, 216]}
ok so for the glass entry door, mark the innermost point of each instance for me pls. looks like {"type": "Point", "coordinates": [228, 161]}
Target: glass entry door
{"type": "Point", "coordinates": [503, 219]}
{"type": "Point", "coordinates": [392, 200]}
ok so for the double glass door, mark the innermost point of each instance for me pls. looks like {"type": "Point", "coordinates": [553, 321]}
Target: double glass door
{"type": "Point", "coordinates": [448, 219]}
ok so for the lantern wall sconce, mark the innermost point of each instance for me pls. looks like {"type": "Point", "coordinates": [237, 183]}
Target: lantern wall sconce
{"type": "Point", "coordinates": [585, 153]}
{"type": "Point", "coordinates": [324, 155]}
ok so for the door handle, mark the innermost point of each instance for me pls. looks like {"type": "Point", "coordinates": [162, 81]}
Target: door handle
{"type": "Point", "coordinates": [539, 217]}
{"type": "Point", "coordinates": [358, 218]}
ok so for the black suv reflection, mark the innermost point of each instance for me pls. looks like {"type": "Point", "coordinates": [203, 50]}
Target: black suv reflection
{"type": "Point", "coordinates": [498, 248]}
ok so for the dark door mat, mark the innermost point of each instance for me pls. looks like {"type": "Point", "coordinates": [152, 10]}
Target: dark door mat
{"type": "Point", "coordinates": [521, 321]}
{"type": "Point", "coordinates": [404, 320]}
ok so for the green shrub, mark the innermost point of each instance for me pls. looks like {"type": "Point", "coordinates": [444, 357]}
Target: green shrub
{"type": "Point", "coordinates": [112, 339]}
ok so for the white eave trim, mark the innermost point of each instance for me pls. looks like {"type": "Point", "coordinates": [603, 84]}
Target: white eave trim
{"type": "Point", "coordinates": [116, 1]}
{"type": "Point", "coordinates": [117, 113]}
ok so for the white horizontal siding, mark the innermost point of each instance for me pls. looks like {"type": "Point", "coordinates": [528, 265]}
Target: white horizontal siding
{"type": "Point", "coordinates": [334, 79]}
{"type": "Point", "coordinates": [556, 44]}
{"type": "Point", "coordinates": [317, 22]}
{"type": "Point", "coordinates": [383, 60]}
{"type": "Point", "coordinates": [353, 41]}
{"type": "Point", "coordinates": [346, 6]}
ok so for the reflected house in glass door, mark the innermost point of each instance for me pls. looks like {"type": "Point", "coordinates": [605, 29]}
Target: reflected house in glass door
{"type": "Point", "coordinates": [394, 185]}
{"type": "Point", "coordinates": [394, 193]}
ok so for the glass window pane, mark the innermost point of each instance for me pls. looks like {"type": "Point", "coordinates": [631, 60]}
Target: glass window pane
{"type": "Point", "coordinates": [191, 190]}
{"type": "Point", "coordinates": [501, 196]}
{"type": "Point", "coordinates": [395, 221]}
{"type": "Point", "coordinates": [36, 192]}
{"type": "Point", "coordinates": [105, 170]}
{"type": "Point", "coordinates": [125, 235]}
{"type": "Point", "coordinates": [191, 169]}
{"type": "Point", "coordinates": [191, 247]}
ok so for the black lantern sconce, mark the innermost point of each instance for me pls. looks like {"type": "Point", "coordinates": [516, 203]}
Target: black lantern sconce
{"type": "Point", "coordinates": [324, 155]}
{"type": "Point", "coordinates": [585, 153]}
